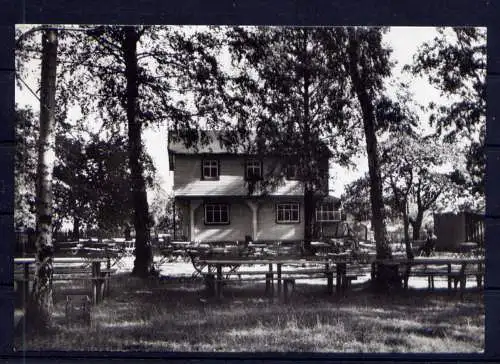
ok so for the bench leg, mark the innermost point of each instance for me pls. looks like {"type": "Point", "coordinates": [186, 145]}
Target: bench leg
{"type": "Point", "coordinates": [279, 278]}
{"type": "Point", "coordinates": [329, 283]}
{"type": "Point", "coordinates": [288, 285]}
{"type": "Point", "coordinates": [210, 284]}
{"type": "Point", "coordinates": [95, 299]}
{"type": "Point", "coordinates": [102, 289]}
{"type": "Point", "coordinates": [479, 281]}
{"type": "Point", "coordinates": [269, 284]}
{"type": "Point", "coordinates": [218, 283]}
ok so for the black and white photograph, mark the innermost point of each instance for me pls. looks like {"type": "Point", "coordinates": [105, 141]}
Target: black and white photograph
{"type": "Point", "coordinates": [249, 188]}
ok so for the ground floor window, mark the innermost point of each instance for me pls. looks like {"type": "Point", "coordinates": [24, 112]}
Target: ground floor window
{"type": "Point", "coordinates": [327, 212]}
{"type": "Point", "coordinates": [216, 214]}
{"type": "Point", "coordinates": [287, 213]}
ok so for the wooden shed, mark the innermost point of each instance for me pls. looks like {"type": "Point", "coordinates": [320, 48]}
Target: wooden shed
{"type": "Point", "coordinates": [453, 229]}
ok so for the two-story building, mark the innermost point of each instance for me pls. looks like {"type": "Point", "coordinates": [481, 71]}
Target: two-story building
{"type": "Point", "coordinates": [211, 189]}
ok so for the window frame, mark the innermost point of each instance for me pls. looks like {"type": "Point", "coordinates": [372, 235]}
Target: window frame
{"type": "Point", "coordinates": [257, 163]}
{"type": "Point", "coordinates": [321, 212]}
{"type": "Point", "coordinates": [219, 205]}
{"type": "Point", "coordinates": [289, 212]}
{"type": "Point", "coordinates": [217, 166]}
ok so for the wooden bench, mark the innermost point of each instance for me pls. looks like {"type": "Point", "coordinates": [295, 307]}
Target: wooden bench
{"type": "Point", "coordinates": [444, 268]}
{"type": "Point", "coordinates": [283, 277]}
{"type": "Point", "coordinates": [65, 272]}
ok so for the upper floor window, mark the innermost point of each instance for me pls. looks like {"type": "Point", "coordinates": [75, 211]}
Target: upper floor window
{"type": "Point", "coordinates": [253, 169]}
{"type": "Point", "coordinates": [287, 213]}
{"type": "Point", "coordinates": [327, 212]}
{"type": "Point", "coordinates": [210, 169]}
{"type": "Point", "coordinates": [216, 214]}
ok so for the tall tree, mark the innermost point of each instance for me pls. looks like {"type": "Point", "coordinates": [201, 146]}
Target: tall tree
{"type": "Point", "coordinates": [455, 63]}
{"type": "Point", "coordinates": [295, 101]}
{"type": "Point", "coordinates": [40, 307]}
{"type": "Point", "coordinates": [134, 76]}
{"type": "Point", "coordinates": [367, 62]}
{"type": "Point", "coordinates": [412, 174]}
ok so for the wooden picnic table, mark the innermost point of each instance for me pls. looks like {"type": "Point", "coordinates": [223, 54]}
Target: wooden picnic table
{"type": "Point", "coordinates": [28, 263]}
{"type": "Point", "coordinates": [431, 264]}
{"type": "Point", "coordinates": [275, 266]}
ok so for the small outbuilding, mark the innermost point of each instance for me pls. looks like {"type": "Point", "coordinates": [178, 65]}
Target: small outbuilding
{"type": "Point", "coordinates": [452, 230]}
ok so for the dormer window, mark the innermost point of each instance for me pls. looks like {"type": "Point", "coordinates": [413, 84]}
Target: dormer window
{"type": "Point", "coordinates": [253, 169]}
{"type": "Point", "coordinates": [210, 169]}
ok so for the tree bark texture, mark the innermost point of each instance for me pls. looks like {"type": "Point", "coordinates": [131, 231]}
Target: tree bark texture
{"type": "Point", "coordinates": [143, 262]}
{"type": "Point", "coordinates": [356, 65]}
{"type": "Point", "coordinates": [39, 309]}
{"type": "Point", "coordinates": [406, 226]}
{"type": "Point", "coordinates": [417, 224]}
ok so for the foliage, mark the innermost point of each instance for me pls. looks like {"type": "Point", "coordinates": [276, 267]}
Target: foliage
{"type": "Point", "coordinates": [92, 181]}
{"type": "Point", "coordinates": [412, 170]}
{"type": "Point", "coordinates": [455, 62]}
{"type": "Point", "coordinates": [290, 97]}
{"type": "Point", "coordinates": [24, 167]}
{"type": "Point", "coordinates": [289, 93]}
{"type": "Point", "coordinates": [162, 210]}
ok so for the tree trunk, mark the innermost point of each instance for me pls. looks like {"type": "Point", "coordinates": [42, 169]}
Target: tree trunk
{"type": "Point", "coordinates": [406, 226]}
{"type": "Point", "coordinates": [309, 203]}
{"type": "Point", "coordinates": [143, 263]}
{"type": "Point", "coordinates": [76, 228]}
{"type": "Point", "coordinates": [39, 309]}
{"type": "Point", "coordinates": [417, 224]}
{"type": "Point", "coordinates": [360, 88]}
{"type": "Point", "coordinates": [309, 208]}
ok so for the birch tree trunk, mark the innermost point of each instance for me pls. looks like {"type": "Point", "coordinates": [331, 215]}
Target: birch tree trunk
{"type": "Point", "coordinates": [39, 309]}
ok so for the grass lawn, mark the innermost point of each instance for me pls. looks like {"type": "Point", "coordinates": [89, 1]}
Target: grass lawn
{"type": "Point", "coordinates": [176, 315]}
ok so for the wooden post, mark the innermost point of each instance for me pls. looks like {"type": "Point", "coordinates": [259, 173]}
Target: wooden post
{"type": "Point", "coordinates": [96, 276]}
{"type": "Point", "coordinates": [210, 284]}
{"type": "Point", "coordinates": [279, 278]}
{"type": "Point", "coordinates": [329, 279]}
{"type": "Point", "coordinates": [218, 283]}
{"type": "Point", "coordinates": [288, 284]}
{"type": "Point", "coordinates": [106, 282]}
{"type": "Point", "coordinates": [174, 224]}
{"type": "Point", "coordinates": [329, 285]}
{"type": "Point", "coordinates": [269, 278]}
{"type": "Point", "coordinates": [341, 270]}
{"type": "Point", "coordinates": [191, 221]}
{"type": "Point", "coordinates": [25, 287]}
{"type": "Point", "coordinates": [449, 276]}
{"type": "Point", "coordinates": [254, 208]}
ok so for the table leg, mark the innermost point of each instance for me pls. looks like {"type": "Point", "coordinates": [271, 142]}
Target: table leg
{"type": "Point", "coordinates": [279, 278]}
{"type": "Point", "coordinates": [270, 281]}
{"type": "Point", "coordinates": [329, 279]}
{"type": "Point", "coordinates": [449, 276]}
{"type": "Point", "coordinates": [96, 275]}
{"type": "Point", "coordinates": [218, 283]}
{"type": "Point", "coordinates": [341, 270]}
{"type": "Point", "coordinates": [26, 284]}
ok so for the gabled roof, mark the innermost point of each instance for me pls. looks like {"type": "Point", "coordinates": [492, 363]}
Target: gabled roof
{"type": "Point", "coordinates": [211, 142]}
{"type": "Point", "coordinates": [207, 141]}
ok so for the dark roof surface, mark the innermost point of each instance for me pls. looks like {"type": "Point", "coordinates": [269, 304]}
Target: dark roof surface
{"type": "Point", "coordinates": [210, 143]}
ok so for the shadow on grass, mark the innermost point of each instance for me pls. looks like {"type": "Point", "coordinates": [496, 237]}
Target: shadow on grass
{"type": "Point", "coordinates": [178, 315]}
